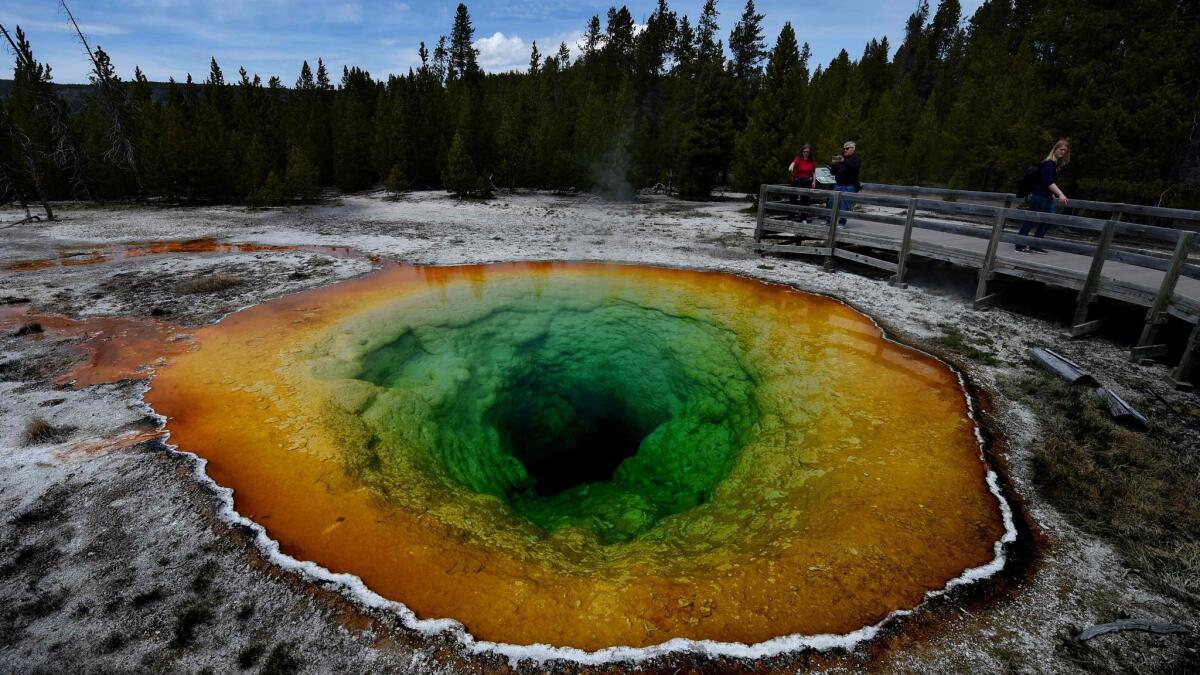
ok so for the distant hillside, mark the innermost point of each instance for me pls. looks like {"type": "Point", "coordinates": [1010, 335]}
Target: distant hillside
{"type": "Point", "coordinates": [74, 93]}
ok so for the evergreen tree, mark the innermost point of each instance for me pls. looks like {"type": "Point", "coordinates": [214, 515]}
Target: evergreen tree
{"type": "Point", "coordinates": [462, 56]}
{"type": "Point", "coordinates": [461, 178]}
{"type": "Point", "coordinates": [709, 137]}
{"type": "Point", "coordinates": [765, 146]}
{"type": "Point", "coordinates": [747, 48]}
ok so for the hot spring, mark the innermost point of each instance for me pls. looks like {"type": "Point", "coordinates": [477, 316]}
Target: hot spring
{"type": "Point", "coordinates": [588, 455]}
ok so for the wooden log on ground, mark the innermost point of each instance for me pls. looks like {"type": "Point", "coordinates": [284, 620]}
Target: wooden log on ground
{"type": "Point", "coordinates": [1132, 624]}
{"type": "Point", "coordinates": [1061, 366]}
{"type": "Point", "coordinates": [1121, 412]}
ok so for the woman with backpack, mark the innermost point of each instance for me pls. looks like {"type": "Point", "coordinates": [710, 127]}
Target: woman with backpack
{"type": "Point", "coordinates": [1045, 194]}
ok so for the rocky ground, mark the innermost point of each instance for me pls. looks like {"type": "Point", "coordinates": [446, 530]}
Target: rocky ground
{"type": "Point", "coordinates": [113, 557]}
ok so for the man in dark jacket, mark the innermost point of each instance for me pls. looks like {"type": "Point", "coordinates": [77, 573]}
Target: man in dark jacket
{"type": "Point", "coordinates": [845, 170]}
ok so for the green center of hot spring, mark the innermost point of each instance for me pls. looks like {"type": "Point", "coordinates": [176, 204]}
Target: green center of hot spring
{"type": "Point", "coordinates": [605, 416]}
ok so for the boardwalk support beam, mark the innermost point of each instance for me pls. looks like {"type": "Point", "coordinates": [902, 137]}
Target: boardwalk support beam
{"type": "Point", "coordinates": [905, 245]}
{"type": "Point", "coordinates": [1157, 315]}
{"type": "Point", "coordinates": [762, 205]}
{"type": "Point", "coordinates": [1182, 375]}
{"type": "Point", "coordinates": [986, 271]}
{"type": "Point", "coordinates": [1087, 295]}
{"type": "Point", "coordinates": [831, 242]}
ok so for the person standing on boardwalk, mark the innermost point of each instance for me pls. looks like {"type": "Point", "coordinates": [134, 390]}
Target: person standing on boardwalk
{"type": "Point", "coordinates": [803, 169]}
{"type": "Point", "coordinates": [846, 167]}
{"type": "Point", "coordinates": [1046, 195]}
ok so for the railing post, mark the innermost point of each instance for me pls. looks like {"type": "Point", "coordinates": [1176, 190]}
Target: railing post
{"type": "Point", "coordinates": [1182, 375]}
{"type": "Point", "coordinates": [905, 245]}
{"type": "Point", "coordinates": [1087, 295]}
{"type": "Point", "coordinates": [1157, 314]}
{"type": "Point", "coordinates": [762, 199]}
{"type": "Point", "coordinates": [831, 241]}
{"type": "Point", "coordinates": [989, 260]}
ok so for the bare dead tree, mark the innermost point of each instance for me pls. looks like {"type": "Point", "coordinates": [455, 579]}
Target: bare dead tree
{"type": "Point", "coordinates": [121, 146]}
{"type": "Point", "coordinates": [52, 109]}
{"type": "Point", "coordinates": [24, 147]}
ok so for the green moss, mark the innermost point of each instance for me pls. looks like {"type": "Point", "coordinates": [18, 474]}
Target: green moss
{"type": "Point", "coordinates": [954, 340]}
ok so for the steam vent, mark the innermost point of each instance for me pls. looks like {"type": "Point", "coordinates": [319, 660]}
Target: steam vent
{"type": "Point", "coordinates": [588, 455]}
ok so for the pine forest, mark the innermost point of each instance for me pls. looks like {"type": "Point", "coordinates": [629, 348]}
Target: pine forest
{"type": "Point", "coordinates": [666, 99]}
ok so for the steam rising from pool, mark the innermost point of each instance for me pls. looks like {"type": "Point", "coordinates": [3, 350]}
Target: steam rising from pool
{"type": "Point", "coordinates": [588, 455]}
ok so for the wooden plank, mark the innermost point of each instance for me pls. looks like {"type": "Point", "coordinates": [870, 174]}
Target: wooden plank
{"type": "Point", "coordinates": [1088, 328]}
{"type": "Point", "coordinates": [881, 218]}
{"type": "Point", "coordinates": [1121, 412]}
{"type": "Point", "coordinates": [1087, 294]}
{"type": "Point", "coordinates": [914, 190]}
{"type": "Point", "coordinates": [1061, 366]}
{"type": "Point", "coordinates": [1147, 352]}
{"type": "Point", "coordinates": [762, 201]}
{"type": "Point", "coordinates": [831, 241]}
{"type": "Point", "coordinates": [905, 245]}
{"type": "Point", "coordinates": [1160, 212]}
{"type": "Point", "coordinates": [952, 228]}
{"type": "Point", "coordinates": [1166, 234]}
{"type": "Point", "coordinates": [989, 258]}
{"type": "Point", "coordinates": [954, 207]}
{"type": "Point", "coordinates": [1183, 373]}
{"type": "Point", "coordinates": [1050, 244]}
{"type": "Point", "coordinates": [864, 259]}
{"type": "Point", "coordinates": [792, 248]}
{"type": "Point", "coordinates": [881, 200]}
{"type": "Point", "coordinates": [1190, 270]}
{"type": "Point", "coordinates": [789, 190]}
{"type": "Point", "coordinates": [1156, 316]}
{"type": "Point", "coordinates": [1072, 222]}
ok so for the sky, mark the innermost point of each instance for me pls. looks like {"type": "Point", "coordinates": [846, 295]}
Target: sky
{"type": "Point", "coordinates": [273, 37]}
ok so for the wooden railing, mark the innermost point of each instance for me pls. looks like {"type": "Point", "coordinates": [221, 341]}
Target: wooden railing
{"type": "Point", "coordinates": [1187, 218]}
{"type": "Point", "coordinates": [1093, 238]}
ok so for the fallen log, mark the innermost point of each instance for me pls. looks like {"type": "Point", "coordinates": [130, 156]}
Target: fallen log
{"type": "Point", "coordinates": [1061, 366]}
{"type": "Point", "coordinates": [1132, 624]}
{"type": "Point", "coordinates": [1121, 412]}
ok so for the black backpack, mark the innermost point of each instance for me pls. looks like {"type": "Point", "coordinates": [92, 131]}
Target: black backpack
{"type": "Point", "coordinates": [1027, 182]}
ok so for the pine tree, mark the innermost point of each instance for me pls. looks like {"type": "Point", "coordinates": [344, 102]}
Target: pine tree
{"type": "Point", "coordinates": [709, 136]}
{"type": "Point", "coordinates": [763, 149]}
{"type": "Point", "coordinates": [396, 184]}
{"type": "Point", "coordinates": [462, 56]}
{"type": "Point", "coordinates": [461, 179]}
{"type": "Point", "coordinates": [300, 181]}
{"type": "Point", "coordinates": [747, 48]}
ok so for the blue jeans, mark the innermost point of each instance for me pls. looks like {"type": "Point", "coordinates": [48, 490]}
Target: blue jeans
{"type": "Point", "coordinates": [846, 201]}
{"type": "Point", "coordinates": [1044, 205]}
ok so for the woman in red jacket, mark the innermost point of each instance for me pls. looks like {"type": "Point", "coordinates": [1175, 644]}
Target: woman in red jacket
{"type": "Point", "coordinates": [803, 168]}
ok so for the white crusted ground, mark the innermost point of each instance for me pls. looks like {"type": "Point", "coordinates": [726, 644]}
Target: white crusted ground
{"type": "Point", "coordinates": [108, 557]}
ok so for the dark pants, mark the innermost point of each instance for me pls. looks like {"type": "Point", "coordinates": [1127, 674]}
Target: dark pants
{"type": "Point", "coordinates": [1043, 205]}
{"type": "Point", "coordinates": [805, 200]}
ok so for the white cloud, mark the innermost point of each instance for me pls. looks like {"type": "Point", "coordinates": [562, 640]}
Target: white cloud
{"type": "Point", "coordinates": [344, 12]}
{"type": "Point", "coordinates": [500, 53]}
{"type": "Point", "coordinates": [65, 26]}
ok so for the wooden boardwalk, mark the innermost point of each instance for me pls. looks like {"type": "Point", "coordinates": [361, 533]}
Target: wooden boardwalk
{"type": "Point", "coordinates": [984, 236]}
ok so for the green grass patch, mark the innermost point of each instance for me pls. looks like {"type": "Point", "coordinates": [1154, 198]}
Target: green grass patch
{"type": "Point", "coordinates": [953, 339]}
{"type": "Point", "coordinates": [1138, 491]}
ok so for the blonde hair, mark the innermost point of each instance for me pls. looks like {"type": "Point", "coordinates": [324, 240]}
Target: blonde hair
{"type": "Point", "coordinates": [1066, 159]}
